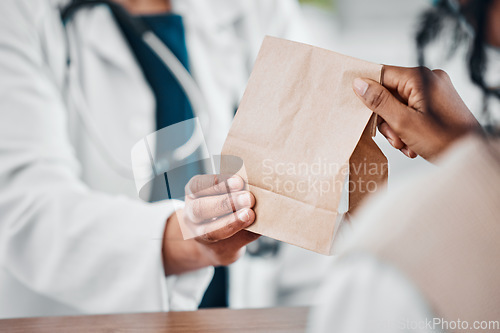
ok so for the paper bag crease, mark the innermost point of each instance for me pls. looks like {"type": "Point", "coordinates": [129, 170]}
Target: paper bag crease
{"type": "Point", "coordinates": [299, 127]}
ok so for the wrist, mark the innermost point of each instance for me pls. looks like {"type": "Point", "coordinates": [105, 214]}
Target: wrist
{"type": "Point", "coordinates": [179, 255]}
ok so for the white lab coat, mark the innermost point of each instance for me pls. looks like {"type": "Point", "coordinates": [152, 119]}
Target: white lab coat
{"type": "Point", "coordinates": [73, 237]}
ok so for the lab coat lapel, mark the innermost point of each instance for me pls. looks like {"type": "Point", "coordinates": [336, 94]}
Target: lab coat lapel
{"type": "Point", "coordinates": [118, 96]}
{"type": "Point", "coordinates": [216, 59]}
{"type": "Point", "coordinates": [105, 38]}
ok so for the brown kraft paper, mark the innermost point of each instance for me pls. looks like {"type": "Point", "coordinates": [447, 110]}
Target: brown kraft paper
{"type": "Point", "coordinates": [306, 142]}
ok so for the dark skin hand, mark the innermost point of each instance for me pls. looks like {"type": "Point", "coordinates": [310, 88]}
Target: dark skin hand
{"type": "Point", "coordinates": [399, 101]}
{"type": "Point", "coordinates": [405, 122]}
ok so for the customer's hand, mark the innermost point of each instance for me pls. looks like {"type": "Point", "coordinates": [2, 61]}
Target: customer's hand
{"type": "Point", "coordinates": [217, 210]}
{"type": "Point", "coordinates": [406, 123]}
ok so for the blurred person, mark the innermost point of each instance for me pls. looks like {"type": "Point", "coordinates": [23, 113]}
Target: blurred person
{"type": "Point", "coordinates": [424, 257]}
{"type": "Point", "coordinates": [73, 237]}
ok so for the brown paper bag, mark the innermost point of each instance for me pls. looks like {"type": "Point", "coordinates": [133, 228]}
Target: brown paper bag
{"type": "Point", "coordinates": [305, 138]}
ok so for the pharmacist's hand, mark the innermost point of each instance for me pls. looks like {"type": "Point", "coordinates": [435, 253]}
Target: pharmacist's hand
{"type": "Point", "coordinates": [406, 122]}
{"type": "Point", "coordinates": [219, 208]}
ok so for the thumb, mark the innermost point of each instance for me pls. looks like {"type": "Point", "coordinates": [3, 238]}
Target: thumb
{"type": "Point", "coordinates": [378, 99]}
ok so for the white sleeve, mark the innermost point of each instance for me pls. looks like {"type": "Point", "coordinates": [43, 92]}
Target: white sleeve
{"type": "Point", "coordinates": [362, 294]}
{"type": "Point", "coordinates": [94, 252]}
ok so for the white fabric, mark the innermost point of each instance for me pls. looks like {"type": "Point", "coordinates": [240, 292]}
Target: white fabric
{"type": "Point", "coordinates": [291, 278]}
{"type": "Point", "coordinates": [73, 238]}
{"type": "Point", "coordinates": [362, 294]}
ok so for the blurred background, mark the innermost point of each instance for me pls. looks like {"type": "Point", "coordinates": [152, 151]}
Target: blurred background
{"type": "Point", "coordinates": [383, 32]}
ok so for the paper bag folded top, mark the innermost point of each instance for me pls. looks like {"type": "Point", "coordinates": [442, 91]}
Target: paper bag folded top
{"type": "Point", "coordinates": [305, 139]}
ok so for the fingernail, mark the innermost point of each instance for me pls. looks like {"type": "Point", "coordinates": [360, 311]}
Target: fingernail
{"type": "Point", "coordinates": [391, 141]}
{"type": "Point", "coordinates": [360, 86]}
{"type": "Point", "coordinates": [234, 183]}
{"type": "Point", "coordinates": [405, 151]}
{"type": "Point", "coordinates": [243, 216]}
{"type": "Point", "coordinates": [244, 200]}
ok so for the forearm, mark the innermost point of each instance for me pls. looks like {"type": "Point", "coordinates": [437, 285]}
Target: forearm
{"type": "Point", "coordinates": [179, 255]}
{"type": "Point", "coordinates": [64, 234]}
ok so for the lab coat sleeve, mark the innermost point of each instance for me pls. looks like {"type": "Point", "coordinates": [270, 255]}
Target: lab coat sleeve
{"type": "Point", "coordinates": [362, 294]}
{"type": "Point", "coordinates": [94, 252]}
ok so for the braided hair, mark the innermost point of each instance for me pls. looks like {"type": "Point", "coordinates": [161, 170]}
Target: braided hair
{"type": "Point", "coordinates": [469, 24]}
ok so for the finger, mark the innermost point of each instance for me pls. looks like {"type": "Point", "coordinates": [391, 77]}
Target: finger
{"type": "Point", "coordinates": [408, 152]}
{"type": "Point", "coordinates": [236, 243]}
{"type": "Point", "coordinates": [378, 99]}
{"type": "Point", "coordinates": [208, 185]}
{"type": "Point", "coordinates": [397, 78]}
{"type": "Point", "coordinates": [231, 249]}
{"type": "Point", "coordinates": [390, 135]}
{"type": "Point", "coordinates": [207, 208]}
{"type": "Point", "coordinates": [380, 120]}
{"type": "Point", "coordinates": [407, 83]}
{"type": "Point", "coordinates": [243, 238]}
{"type": "Point", "coordinates": [442, 75]}
{"type": "Point", "coordinates": [394, 76]}
{"type": "Point", "coordinates": [412, 154]}
{"type": "Point", "coordinates": [226, 226]}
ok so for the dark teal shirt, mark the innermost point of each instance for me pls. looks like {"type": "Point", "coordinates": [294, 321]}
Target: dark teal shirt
{"type": "Point", "coordinates": [172, 106]}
